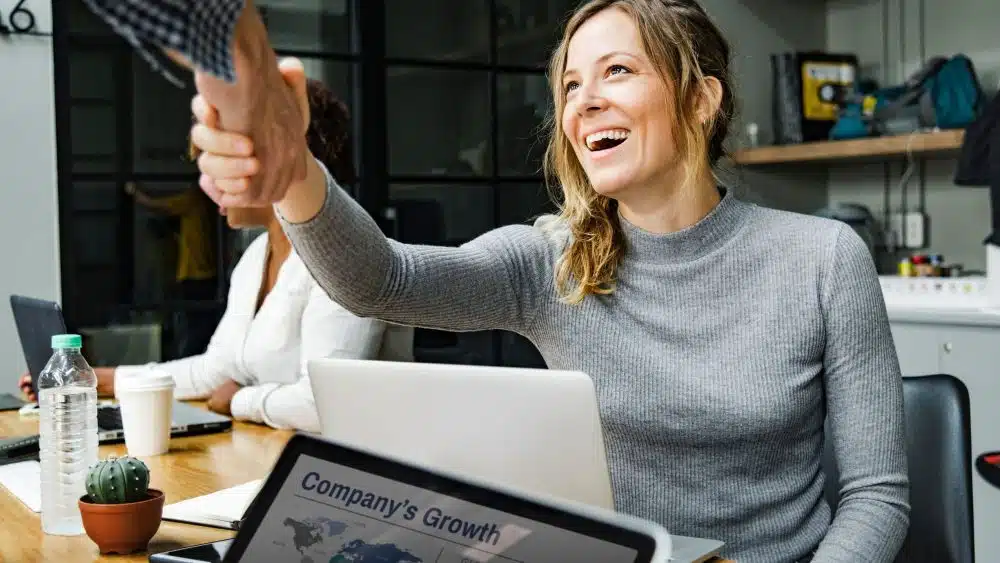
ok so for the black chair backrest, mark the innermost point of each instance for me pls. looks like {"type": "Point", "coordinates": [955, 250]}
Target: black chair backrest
{"type": "Point", "coordinates": [939, 452]}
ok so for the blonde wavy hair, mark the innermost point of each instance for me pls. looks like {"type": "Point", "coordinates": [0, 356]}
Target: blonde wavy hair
{"type": "Point", "coordinates": [685, 47]}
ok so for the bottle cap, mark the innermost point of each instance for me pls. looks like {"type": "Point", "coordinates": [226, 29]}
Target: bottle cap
{"type": "Point", "coordinates": [62, 341]}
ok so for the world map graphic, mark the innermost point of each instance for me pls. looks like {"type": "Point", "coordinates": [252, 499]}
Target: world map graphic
{"type": "Point", "coordinates": [309, 537]}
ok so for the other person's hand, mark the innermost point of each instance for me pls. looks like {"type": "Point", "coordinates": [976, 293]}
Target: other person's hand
{"type": "Point", "coordinates": [263, 108]}
{"type": "Point", "coordinates": [25, 384]}
{"type": "Point", "coordinates": [231, 162]}
{"type": "Point", "coordinates": [222, 398]}
{"type": "Point", "coordinates": [105, 381]}
{"type": "Point", "coordinates": [105, 384]}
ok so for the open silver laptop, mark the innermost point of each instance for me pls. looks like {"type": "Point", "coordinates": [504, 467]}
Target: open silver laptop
{"type": "Point", "coordinates": [187, 420]}
{"type": "Point", "coordinates": [534, 430]}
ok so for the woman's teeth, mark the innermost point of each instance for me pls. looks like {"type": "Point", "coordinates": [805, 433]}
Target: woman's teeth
{"type": "Point", "coordinates": [606, 139]}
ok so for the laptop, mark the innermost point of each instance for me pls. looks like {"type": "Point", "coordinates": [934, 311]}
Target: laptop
{"type": "Point", "coordinates": [327, 501]}
{"type": "Point", "coordinates": [187, 420]}
{"type": "Point", "coordinates": [534, 430]}
{"type": "Point", "coordinates": [37, 320]}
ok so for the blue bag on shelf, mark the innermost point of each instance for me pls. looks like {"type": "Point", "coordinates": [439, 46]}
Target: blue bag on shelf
{"type": "Point", "coordinates": [958, 97]}
{"type": "Point", "coordinates": [944, 94]}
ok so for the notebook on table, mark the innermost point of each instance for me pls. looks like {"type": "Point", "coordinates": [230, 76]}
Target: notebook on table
{"type": "Point", "coordinates": [24, 480]}
{"type": "Point", "coordinates": [221, 509]}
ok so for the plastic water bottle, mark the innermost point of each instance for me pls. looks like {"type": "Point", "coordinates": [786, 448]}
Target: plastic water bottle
{"type": "Point", "coordinates": [67, 399]}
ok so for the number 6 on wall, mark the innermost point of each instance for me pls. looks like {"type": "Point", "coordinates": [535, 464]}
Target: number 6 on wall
{"type": "Point", "coordinates": [20, 20]}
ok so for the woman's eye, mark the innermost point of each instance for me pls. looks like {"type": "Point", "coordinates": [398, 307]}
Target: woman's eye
{"type": "Point", "coordinates": [570, 86]}
{"type": "Point", "coordinates": [617, 69]}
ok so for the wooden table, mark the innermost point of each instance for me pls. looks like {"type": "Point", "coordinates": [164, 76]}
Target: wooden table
{"type": "Point", "coordinates": [194, 466]}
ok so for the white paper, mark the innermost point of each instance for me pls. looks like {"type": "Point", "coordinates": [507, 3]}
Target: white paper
{"type": "Point", "coordinates": [24, 481]}
{"type": "Point", "coordinates": [223, 508]}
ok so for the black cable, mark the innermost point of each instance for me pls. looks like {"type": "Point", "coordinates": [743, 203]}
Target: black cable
{"type": "Point", "coordinates": [886, 168]}
{"type": "Point", "coordinates": [885, 42]}
{"type": "Point", "coordinates": [922, 16]}
{"type": "Point", "coordinates": [902, 39]}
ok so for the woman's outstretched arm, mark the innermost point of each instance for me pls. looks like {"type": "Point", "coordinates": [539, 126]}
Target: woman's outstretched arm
{"type": "Point", "coordinates": [492, 282]}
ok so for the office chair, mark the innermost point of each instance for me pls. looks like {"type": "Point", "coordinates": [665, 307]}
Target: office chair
{"type": "Point", "coordinates": [939, 454]}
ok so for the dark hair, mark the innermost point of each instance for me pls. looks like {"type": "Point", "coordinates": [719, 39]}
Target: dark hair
{"type": "Point", "coordinates": [329, 133]}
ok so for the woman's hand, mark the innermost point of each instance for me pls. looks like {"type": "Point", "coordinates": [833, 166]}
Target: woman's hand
{"type": "Point", "coordinates": [227, 161]}
{"type": "Point", "coordinates": [221, 400]}
{"type": "Point", "coordinates": [105, 384]}
{"type": "Point", "coordinates": [25, 384]}
{"type": "Point", "coordinates": [105, 381]}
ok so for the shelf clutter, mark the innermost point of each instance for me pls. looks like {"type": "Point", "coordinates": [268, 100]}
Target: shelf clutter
{"type": "Point", "coordinates": [967, 292]}
{"type": "Point", "coordinates": [925, 281]}
{"type": "Point", "coordinates": [922, 284]}
{"type": "Point", "coordinates": [874, 148]}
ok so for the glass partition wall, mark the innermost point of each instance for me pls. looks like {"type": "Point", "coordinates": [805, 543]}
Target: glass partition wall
{"type": "Point", "coordinates": [447, 98]}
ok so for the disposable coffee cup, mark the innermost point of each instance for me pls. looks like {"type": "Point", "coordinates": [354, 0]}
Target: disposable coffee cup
{"type": "Point", "coordinates": [146, 401]}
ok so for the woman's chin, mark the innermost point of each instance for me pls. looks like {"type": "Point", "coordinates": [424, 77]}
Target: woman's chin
{"type": "Point", "coordinates": [609, 186]}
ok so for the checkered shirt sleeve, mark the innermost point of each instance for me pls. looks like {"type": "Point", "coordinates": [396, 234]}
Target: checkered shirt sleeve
{"type": "Point", "coordinates": [201, 30]}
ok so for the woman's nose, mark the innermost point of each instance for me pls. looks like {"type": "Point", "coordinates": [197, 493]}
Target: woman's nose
{"type": "Point", "coordinates": [590, 101]}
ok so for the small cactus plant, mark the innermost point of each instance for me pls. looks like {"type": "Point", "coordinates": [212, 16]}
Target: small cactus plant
{"type": "Point", "coordinates": [118, 480]}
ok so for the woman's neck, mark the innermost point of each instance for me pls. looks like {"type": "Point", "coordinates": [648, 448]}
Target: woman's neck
{"type": "Point", "coordinates": [660, 212]}
{"type": "Point", "coordinates": [278, 250]}
{"type": "Point", "coordinates": [278, 245]}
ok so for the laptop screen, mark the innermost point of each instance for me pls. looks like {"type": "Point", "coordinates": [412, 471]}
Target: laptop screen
{"type": "Point", "coordinates": [328, 511]}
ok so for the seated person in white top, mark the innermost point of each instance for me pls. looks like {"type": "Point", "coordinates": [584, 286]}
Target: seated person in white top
{"type": "Point", "coordinates": [277, 317]}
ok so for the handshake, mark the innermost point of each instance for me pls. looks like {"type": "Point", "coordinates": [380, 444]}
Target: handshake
{"type": "Point", "coordinates": [250, 135]}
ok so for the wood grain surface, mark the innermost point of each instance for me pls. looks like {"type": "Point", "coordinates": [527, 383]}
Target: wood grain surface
{"type": "Point", "coordinates": [194, 466]}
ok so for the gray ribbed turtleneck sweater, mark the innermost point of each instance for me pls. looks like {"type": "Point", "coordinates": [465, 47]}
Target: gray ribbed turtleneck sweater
{"type": "Point", "coordinates": [714, 361]}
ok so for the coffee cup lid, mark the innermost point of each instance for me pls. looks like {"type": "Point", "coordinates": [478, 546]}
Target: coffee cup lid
{"type": "Point", "coordinates": [146, 380]}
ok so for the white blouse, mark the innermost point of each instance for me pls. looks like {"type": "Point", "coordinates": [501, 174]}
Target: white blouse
{"type": "Point", "coordinates": [267, 352]}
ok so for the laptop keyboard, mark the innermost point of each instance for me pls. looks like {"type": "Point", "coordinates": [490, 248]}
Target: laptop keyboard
{"type": "Point", "coordinates": [109, 418]}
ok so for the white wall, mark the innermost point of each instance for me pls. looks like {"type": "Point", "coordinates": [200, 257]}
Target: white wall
{"type": "Point", "coordinates": [756, 29]}
{"type": "Point", "coordinates": [958, 216]}
{"type": "Point", "coordinates": [29, 219]}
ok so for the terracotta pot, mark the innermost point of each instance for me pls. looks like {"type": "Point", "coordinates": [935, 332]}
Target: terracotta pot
{"type": "Point", "coordinates": [122, 528]}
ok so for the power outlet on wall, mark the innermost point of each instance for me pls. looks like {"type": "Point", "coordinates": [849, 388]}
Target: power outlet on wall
{"type": "Point", "coordinates": [909, 229]}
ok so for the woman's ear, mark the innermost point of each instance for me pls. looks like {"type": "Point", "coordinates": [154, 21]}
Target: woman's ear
{"type": "Point", "coordinates": [709, 99]}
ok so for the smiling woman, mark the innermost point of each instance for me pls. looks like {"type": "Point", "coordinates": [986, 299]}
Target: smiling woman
{"type": "Point", "coordinates": [645, 99]}
{"type": "Point", "coordinates": [722, 336]}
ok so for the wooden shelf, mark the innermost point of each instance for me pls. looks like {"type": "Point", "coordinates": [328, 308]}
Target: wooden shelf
{"type": "Point", "coordinates": [874, 148]}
